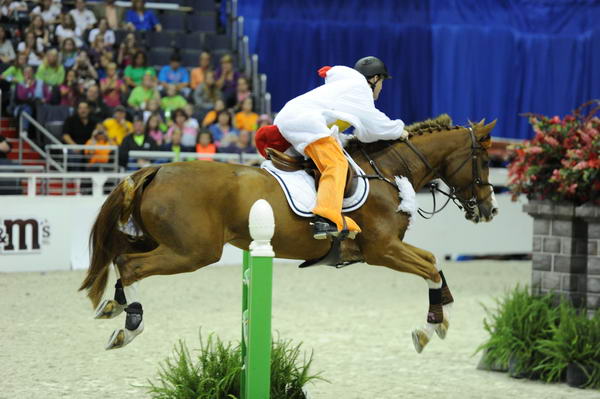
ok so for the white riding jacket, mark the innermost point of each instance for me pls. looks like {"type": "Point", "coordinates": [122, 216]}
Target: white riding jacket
{"type": "Point", "coordinates": [346, 96]}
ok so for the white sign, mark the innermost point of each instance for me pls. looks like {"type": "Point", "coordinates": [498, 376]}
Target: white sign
{"type": "Point", "coordinates": [23, 235]}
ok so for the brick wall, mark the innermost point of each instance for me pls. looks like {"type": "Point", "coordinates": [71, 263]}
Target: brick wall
{"type": "Point", "coordinates": [560, 247]}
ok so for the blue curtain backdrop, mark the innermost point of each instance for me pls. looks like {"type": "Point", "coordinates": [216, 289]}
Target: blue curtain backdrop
{"type": "Point", "coordinates": [468, 58]}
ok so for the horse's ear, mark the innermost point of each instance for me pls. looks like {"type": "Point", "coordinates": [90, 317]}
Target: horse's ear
{"type": "Point", "coordinates": [483, 134]}
{"type": "Point", "coordinates": [490, 126]}
{"type": "Point", "coordinates": [477, 124]}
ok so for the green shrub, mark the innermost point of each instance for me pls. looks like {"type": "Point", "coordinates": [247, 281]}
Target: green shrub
{"type": "Point", "coordinates": [518, 323]}
{"type": "Point", "coordinates": [576, 339]}
{"type": "Point", "coordinates": [215, 372]}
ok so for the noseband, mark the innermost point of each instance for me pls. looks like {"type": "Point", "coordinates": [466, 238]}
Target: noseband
{"type": "Point", "coordinates": [468, 205]}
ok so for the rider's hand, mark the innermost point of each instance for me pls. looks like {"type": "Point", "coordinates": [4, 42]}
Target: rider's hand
{"type": "Point", "coordinates": [404, 135]}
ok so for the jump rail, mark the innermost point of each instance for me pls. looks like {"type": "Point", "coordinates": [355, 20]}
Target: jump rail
{"type": "Point", "coordinates": [257, 282]}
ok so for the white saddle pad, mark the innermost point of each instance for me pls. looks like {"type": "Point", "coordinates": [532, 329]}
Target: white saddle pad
{"type": "Point", "coordinates": [300, 192]}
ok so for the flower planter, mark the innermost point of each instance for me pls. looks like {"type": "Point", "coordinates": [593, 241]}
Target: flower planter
{"type": "Point", "coordinates": [576, 376]}
{"type": "Point", "coordinates": [559, 251]}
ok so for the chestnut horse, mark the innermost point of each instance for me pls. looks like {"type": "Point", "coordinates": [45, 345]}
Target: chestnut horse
{"type": "Point", "coordinates": [183, 213]}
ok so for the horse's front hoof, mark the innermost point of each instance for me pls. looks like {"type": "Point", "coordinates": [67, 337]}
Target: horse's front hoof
{"type": "Point", "coordinates": [442, 328]}
{"type": "Point", "coordinates": [109, 309]}
{"type": "Point", "coordinates": [420, 340]}
{"type": "Point", "coordinates": [123, 336]}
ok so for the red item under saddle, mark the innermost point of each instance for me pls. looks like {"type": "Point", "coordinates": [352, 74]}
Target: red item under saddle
{"type": "Point", "coordinates": [270, 137]}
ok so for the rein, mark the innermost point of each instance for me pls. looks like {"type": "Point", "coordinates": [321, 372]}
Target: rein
{"type": "Point", "coordinates": [468, 205]}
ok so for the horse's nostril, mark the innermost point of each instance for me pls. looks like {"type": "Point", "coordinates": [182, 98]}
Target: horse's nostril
{"type": "Point", "coordinates": [494, 211]}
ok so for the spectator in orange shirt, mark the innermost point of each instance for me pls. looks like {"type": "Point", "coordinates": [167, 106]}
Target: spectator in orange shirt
{"type": "Point", "coordinates": [211, 116]}
{"type": "Point", "coordinates": [198, 73]}
{"type": "Point", "coordinates": [246, 119]}
{"type": "Point", "coordinates": [99, 156]}
{"type": "Point", "coordinates": [205, 145]}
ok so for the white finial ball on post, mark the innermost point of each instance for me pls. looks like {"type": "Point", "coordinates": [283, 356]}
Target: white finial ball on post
{"type": "Point", "coordinates": [262, 227]}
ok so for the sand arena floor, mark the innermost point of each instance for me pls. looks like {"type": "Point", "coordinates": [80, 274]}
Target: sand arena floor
{"type": "Point", "coordinates": [357, 321]}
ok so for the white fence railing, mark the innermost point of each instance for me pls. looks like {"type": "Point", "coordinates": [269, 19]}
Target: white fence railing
{"type": "Point", "coordinates": [79, 157]}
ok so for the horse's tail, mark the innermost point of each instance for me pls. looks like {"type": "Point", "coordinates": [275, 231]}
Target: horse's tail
{"type": "Point", "coordinates": [105, 238]}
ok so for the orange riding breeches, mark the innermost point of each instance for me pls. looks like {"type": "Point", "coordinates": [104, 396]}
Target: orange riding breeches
{"type": "Point", "coordinates": [331, 162]}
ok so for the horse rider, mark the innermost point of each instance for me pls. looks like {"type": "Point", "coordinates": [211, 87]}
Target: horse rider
{"type": "Point", "coordinates": [310, 124]}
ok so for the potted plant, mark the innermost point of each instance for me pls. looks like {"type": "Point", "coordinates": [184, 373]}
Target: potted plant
{"type": "Point", "coordinates": [519, 321]}
{"type": "Point", "coordinates": [215, 372]}
{"type": "Point", "coordinates": [573, 351]}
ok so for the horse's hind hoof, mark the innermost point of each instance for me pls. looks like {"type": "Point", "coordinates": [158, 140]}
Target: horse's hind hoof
{"type": "Point", "coordinates": [108, 309]}
{"type": "Point", "coordinates": [123, 336]}
{"type": "Point", "coordinates": [420, 340]}
{"type": "Point", "coordinates": [442, 328]}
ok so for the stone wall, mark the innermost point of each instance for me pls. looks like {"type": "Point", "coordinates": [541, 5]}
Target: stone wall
{"type": "Point", "coordinates": [560, 253]}
{"type": "Point", "coordinates": [591, 216]}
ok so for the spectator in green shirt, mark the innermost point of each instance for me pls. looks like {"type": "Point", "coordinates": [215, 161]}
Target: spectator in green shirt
{"type": "Point", "coordinates": [142, 94]}
{"type": "Point", "coordinates": [135, 72]}
{"type": "Point", "coordinates": [172, 100]}
{"type": "Point", "coordinates": [51, 71]}
{"type": "Point", "coordinates": [14, 73]}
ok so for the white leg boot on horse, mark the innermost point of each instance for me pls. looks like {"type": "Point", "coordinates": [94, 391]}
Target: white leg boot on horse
{"type": "Point", "coordinates": [404, 257]}
{"type": "Point", "coordinates": [134, 323]}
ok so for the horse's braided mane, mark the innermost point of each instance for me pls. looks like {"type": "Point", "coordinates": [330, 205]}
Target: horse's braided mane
{"type": "Point", "coordinates": [440, 123]}
{"type": "Point", "coordinates": [437, 124]}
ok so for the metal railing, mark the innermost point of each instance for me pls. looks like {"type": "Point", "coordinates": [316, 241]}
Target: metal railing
{"type": "Point", "coordinates": [139, 159]}
{"type": "Point", "coordinates": [80, 157]}
{"type": "Point", "coordinates": [52, 184]}
{"type": "Point", "coordinates": [21, 168]}
{"type": "Point", "coordinates": [45, 134]}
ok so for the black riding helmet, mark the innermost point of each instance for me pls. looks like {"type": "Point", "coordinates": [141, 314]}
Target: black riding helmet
{"type": "Point", "coordinates": [371, 66]}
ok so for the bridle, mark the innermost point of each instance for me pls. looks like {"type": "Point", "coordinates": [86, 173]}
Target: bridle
{"type": "Point", "coordinates": [468, 205]}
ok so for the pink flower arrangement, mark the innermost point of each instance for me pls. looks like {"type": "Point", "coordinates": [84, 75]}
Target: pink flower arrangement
{"type": "Point", "coordinates": [561, 162]}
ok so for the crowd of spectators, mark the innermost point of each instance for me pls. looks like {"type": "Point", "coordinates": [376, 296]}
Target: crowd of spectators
{"type": "Point", "coordinates": [54, 54]}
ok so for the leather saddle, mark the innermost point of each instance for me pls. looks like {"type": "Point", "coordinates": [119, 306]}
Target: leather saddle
{"type": "Point", "coordinates": [288, 163]}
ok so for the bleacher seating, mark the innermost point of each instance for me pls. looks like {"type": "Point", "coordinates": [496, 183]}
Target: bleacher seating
{"type": "Point", "coordinates": [159, 56]}
{"type": "Point", "coordinates": [217, 42]}
{"type": "Point", "coordinates": [189, 57]}
{"type": "Point", "coordinates": [193, 41]}
{"type": "Point", "coordinates": [173, 20]}
{"type": "Point", "coordinates": [52, 113]}
{"type": "Point", "coordinates": [190, 30]}
{"type": "Point", "coordinates": [201, 23]}
{"type": "Point", "coordinates": [162, 39]}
